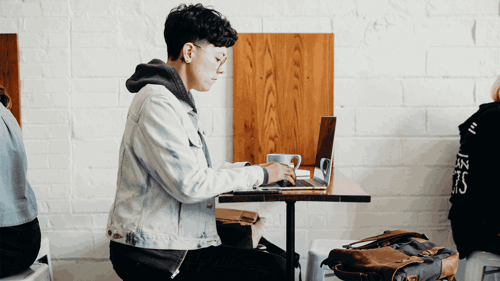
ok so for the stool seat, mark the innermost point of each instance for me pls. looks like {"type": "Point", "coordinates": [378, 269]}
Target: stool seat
{"type": "Point", "coordinates": [36, 272]}
{"type": "Point", "coordinates": [319, 250]}
{"type": "Point", "coordinates": [476, 263]}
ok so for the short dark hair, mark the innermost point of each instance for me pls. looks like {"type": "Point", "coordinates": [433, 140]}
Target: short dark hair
{"type": "Point", "coordinates": [193, 23]}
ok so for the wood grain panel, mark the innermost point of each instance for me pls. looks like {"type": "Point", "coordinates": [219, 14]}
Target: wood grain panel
{"type": "Point", "coordinates": [9, 71]}
{"type": "Point", "coordinates": [283, 85]}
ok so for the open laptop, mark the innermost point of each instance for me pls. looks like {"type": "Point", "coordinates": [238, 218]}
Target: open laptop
{"type": "Point", "coordinates": [323, 164]}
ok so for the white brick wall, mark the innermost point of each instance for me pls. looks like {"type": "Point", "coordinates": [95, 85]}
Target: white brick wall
{"type": "Point", "coordinates": [407, 73]}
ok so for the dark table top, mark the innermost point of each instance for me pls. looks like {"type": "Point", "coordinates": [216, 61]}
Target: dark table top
{"type": "Point", "coordinates": [340, 189]}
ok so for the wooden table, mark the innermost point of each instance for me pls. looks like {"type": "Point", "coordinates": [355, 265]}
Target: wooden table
{"type": "Point", "coordinates": [340, 189]}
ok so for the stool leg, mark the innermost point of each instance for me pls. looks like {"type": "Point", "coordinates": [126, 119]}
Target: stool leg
{"type": "Point", "coordinates": [44, 256]}
{"type": "Point", "coordinates": [474, 268]}
{"type": "Point", "coordinates": [314, 272]}
{"type": "Point", "coordinates": [49, 262]}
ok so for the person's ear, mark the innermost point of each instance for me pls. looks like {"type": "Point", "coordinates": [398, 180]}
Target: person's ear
{"type": "Point", "coordinates": [187, 52]}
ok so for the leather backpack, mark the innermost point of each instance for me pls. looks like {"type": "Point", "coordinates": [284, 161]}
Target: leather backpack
{"type": "Point", "coordinates": [398, 255]}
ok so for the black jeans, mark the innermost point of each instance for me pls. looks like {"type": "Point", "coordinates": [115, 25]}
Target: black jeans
{"type": "Point", "coordinates": [19, 246]}
{"type": "Point", "coordinates": [472, 235]}
{"type": "Point", "coordinates": [212, 263]}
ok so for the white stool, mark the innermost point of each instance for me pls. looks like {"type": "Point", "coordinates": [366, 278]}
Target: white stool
{"type": "Point", "coordinates": [44, 256]}
{"type": "Point", "coordinates": [476, 263]}
{"type": "Point", "coordinates": [41, 270]}
{"type": "Point", "coordinates": [319, 251]}
{"type": "Point", "coordinates": [36, 272]}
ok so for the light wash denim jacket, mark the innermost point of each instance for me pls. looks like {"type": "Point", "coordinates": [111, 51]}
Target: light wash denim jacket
{"type": "Point", "coordinates": [17, 199]}
{"type": "Point", "coordinates": [165, 197]}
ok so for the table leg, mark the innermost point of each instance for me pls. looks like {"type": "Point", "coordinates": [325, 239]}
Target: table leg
{"type": "Point", "coordinates": [290, 240]}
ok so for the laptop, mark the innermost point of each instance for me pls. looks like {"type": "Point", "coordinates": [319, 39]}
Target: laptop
{"type": "Point", "coordinates": [323, 163]}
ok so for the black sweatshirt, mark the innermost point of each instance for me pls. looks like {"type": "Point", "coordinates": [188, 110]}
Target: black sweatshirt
{"type": "Point", "coordinates": [475, 191]}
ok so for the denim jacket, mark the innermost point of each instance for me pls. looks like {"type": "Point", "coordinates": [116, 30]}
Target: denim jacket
{"type": "Point", "coordinates": [17, 199]}
{"type": "Point", "coordinates": [165, 197]}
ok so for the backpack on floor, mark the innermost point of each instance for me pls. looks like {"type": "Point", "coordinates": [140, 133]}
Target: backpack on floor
{"type": "Point", "coordinates": [398, 255]}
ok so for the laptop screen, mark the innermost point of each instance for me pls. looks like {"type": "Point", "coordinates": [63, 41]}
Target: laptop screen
{"type": "Point", "coordinates": [324, 155]}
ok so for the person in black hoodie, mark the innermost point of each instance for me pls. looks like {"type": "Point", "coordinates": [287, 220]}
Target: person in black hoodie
{"type": "Point", "coordinates": [162, 222]}
{"type": "Point", "coordinates": [475, 194]}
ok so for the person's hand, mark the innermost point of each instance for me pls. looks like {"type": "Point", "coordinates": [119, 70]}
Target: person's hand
{"type": "Point", "coordinates": [278, 172]}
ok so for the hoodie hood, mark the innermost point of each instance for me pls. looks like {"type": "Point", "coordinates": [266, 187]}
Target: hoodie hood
{"type": "Point", "coordinates": [159, 73]}
{"type": "Point", "coordinates": [482, 109]}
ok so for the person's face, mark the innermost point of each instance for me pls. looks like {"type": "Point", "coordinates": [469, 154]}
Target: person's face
{"type": "Point", "coordinates": [207, 63]}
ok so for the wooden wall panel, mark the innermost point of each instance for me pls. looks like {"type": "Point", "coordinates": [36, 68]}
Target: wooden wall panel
{"type": "Point", "coordinates": [283, 84]}
{"type": "Point", "coordinates": [9, 71]}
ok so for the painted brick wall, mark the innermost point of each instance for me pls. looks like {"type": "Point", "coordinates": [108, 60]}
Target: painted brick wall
{"type": "Point", "coordinates": [407, 73]}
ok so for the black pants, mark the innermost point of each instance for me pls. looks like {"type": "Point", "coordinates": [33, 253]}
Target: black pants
{"type": "Point", "coordinates": [212, 263]}
{"type": "Point", "coordinates": [19, 246]}
{"type": "Point", "coordinates": [472, 235]}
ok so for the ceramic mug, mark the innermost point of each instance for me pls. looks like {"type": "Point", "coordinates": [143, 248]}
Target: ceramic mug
{"type": "Point", "coordinates": [325, 167]}
{"type": "Point", "coordinates": [285, 159]}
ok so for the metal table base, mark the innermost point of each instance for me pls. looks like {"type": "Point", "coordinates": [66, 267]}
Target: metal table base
{"type": "Point", "coordinates": [290, 240]}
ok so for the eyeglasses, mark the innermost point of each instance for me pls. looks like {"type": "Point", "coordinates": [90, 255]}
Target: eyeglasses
{"type": "Point", "coordinates": [220, 61]}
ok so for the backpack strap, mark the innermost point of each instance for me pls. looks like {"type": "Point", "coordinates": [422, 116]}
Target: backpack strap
{"type": "Point", "coordinates": [385, 239]}
{"type": "Point", "coordinates": [355, 276]}
{"type": "Point", "coordinates": [430, 252]}
{"type": "Point", "coordinates": [272, 248]}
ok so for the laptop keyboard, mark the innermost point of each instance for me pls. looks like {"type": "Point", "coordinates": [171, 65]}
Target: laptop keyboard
{"type": "Point", "coordinates": [284, 183]}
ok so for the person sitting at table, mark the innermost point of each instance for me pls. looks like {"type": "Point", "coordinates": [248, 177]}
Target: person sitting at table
{"type": "Point", "coordinates": [162, 222]}
{"type": "Point", "coordinates": [475, 191]}
{"type": "Point", "coordinates": [20, 235]}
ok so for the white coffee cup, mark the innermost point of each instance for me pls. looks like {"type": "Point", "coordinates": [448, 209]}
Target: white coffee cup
{"type": "Point", "coordinates": [285, 159]}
